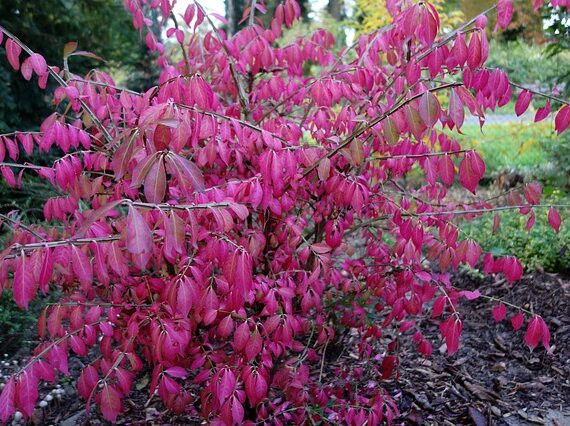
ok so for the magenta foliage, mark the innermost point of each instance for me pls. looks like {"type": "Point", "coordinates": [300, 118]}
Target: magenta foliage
{"type": "Point", "coordinates": [222, 228]}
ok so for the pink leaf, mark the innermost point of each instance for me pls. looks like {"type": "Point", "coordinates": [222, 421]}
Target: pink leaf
{"type": "Point", "coordinates": [24, 286]}
{"type": "Point", "coordinates": [456, 109]}
{"type": "Point", "coordinates": [523, 102]}
{"type": "Point", "coordinates": [81, 266]}
{"type": "Point", "coordinates": [139, 234]}
{"type": "Point", "coordinates": [110, 402]}
{"type": "Point", "coordinates": [186, 171]}
{"type": "Point", "coordinates": [471, 295]}
{"type": "Point", "coordinates": [27, 392]}
{"type": "Point", "coordinates": [185, 297]}
{"type": "Point", "coordinates": [13, 53]}
{"type": "Point", "coordinates": [430, 109]}
{"type": "Point", "coordinates": [517, 320]}
{"type": "Point", "coordinates": [155, 183]}
{"type": "Point", "coordinates": [562, 120]}
{"type": "Point", "coordinates": [554, 219]}
{"type": "Point", "coordinates": [87, 381]}
{"type": "Point", "coordinates": [499, 312]}
{"type": "Point", "coordinates": [446, 169]}
{"type": "Point", "coordinates": [38, 64]}
{"type": "Point", "coordinates": [7, 400]}
{"type": "Point", "coordinates": [26, 69]}
{"type": "Point", "coordinates": [542, 112]}
{"type": "Point", "coordinates": [177, 372]}
{"type": "Point", "coordinates": [504, 13]}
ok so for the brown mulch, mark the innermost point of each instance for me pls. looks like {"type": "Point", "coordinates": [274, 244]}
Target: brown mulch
{"type": "Point", "coordinates": [494, 379]}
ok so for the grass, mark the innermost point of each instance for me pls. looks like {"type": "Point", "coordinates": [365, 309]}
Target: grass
{"type": "Point", "coordinates": [513, 147]}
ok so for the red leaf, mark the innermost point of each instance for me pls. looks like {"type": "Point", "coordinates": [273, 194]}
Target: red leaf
{"type": "Point", "coordinates": [562, 120]}
{"type": "Point", "coordinates": [139, 234]}
{"type": "Point", "coordinates": [471, 170]}
{"type": "Point", "coordinates": [554, 219]}
{"type": "Point", "coordinates": [430, 109]}
{"type": "Point", "coordinates": [517, 320]}
{"type": "Point", "coordinates": [474, 54]}
{"type": "Point", "coordinates": [388, 364]}
{"type": "Point", "coordinates": [452, 335]}
{"type": "Point", "coordinates": [499, 312]}
{"type": "Point", "coordinates": [446, 169]}
{"type": "Point", "coordinates": [110, 402]}
{"type": "Point", "coordinates": [534, 332]}
{"type": "Point", "coordinates": [456, 109]}
{"type": "Point", "coordinates": [142, 168]}
{"type": "Point", "coordinates": [523, 102]}
{"type": "Point", "coordinates": [124, 380]}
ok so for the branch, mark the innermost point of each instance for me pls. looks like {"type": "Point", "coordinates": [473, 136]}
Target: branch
{"type": "Point", "coordinates": [252, 13]}
{"type": "Point", "coordinates": [544, 95]}
{"type": "Point", "coordinates": [241, 92]}
{"type": "Point", "coordinates": [462, 212]}
{"type": "Point", "coordinates": [184, 54]}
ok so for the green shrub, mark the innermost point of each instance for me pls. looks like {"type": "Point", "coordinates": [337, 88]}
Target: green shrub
{"type": "Point", "coordinates": [541, 248]}
{"type": "Point", "coordinates": [558, 151]}
{"type": "Point", "coordinates": [16, 325]}
{"type": "Point", "coordinates": [527, 63]}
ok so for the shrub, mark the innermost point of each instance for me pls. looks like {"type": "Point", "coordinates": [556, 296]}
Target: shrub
{"type": "Point", "coordinates": [527, 63]}
{"type": "Point", "coordinates": [222, 228]}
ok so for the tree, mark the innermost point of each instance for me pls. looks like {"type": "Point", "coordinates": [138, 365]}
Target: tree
{"type": "Point", "coordinates": [206, 228]}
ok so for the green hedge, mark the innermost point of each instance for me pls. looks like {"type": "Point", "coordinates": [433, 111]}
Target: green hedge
{"type": "Point", "coordinates": [541, 248]}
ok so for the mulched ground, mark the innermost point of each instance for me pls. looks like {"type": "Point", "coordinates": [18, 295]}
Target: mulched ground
{"type": "Point", "coordinates": [493, 379]}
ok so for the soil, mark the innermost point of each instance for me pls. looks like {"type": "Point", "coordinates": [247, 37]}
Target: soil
{"type": "Point", "coordinates": [494, 379]}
